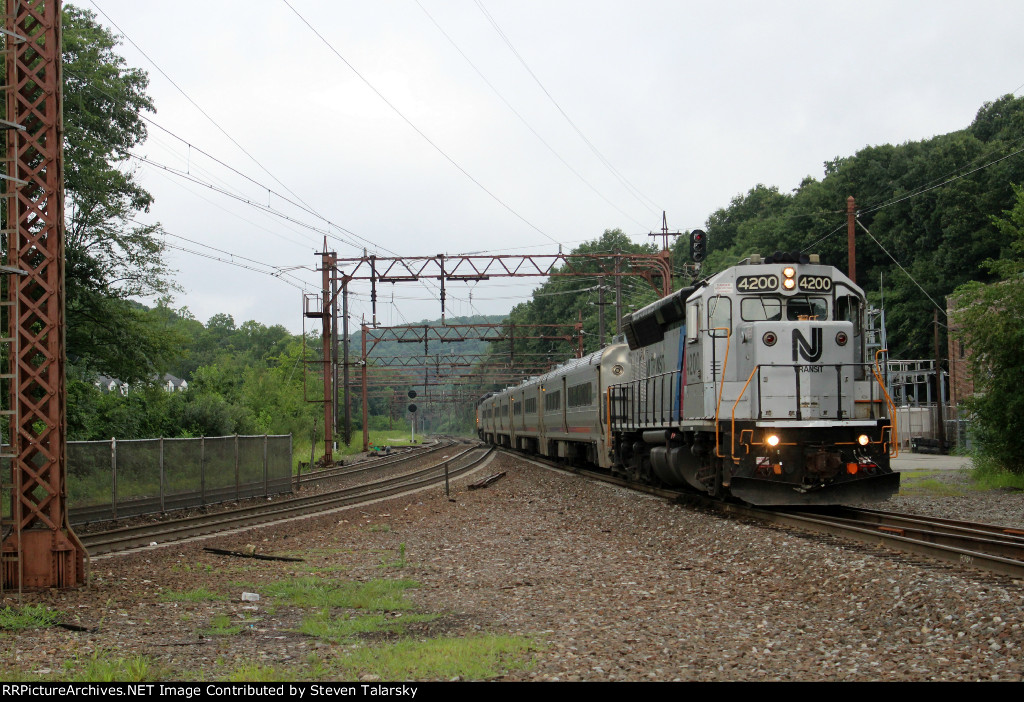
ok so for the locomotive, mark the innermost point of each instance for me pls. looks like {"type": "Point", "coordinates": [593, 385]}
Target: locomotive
{"type": "Point", "coordinates": [754, 384]}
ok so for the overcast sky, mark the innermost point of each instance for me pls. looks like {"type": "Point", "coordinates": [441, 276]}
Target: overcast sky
{"type": "Point", "coordinates": [510, 126]}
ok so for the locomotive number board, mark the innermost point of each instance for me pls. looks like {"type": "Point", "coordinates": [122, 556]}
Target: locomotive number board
{"type": "Point", "coordinates": [818, 283]}
{"type": "Point", "coordinates": [757, 283]}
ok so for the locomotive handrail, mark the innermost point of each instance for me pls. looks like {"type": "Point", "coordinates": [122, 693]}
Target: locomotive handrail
{"type": "Point", "coordinates": [796, 366]}
{"type": "Point", "coordinates": [721, 383]}
{"type": "Point", "coordinates": [894, 449]}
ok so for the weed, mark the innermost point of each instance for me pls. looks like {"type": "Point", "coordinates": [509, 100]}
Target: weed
{"type": "Point", "coordinates": [472, 658]}
{"type": "Point", "coordinates": [28, 617]}
{"type": "Point", "coordinates": [347, 628]}
{"type": "Point", "coordinates": [254, 672]}
{"type": "Point", "coordinates": [101, 666]}
{"type": "Point", "coordinates": [220, 625]}
{"type": "Point", "coordinates": [380, 528]}
{"type": "Point", "coordinates": [992, 476]}
{"type": "Point", "coordinates": [378, 595]}
{"type": "Point", "coordinates": [399, 562]}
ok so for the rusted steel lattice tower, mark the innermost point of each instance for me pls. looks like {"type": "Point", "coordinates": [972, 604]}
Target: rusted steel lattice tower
{"type": "Point", "coordinates": [39, 549]}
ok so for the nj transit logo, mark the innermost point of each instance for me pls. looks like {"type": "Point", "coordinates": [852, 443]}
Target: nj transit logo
{"type": "Point", "coordinates": [810, 352]}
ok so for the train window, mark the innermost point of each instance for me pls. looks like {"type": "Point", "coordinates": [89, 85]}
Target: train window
{"type": "Point", "coordinates": [531, 405]}
{"type": "Point", "coordinates": [804, 307]}
{"type": "Point", "coordinates": [719, 312]}
{"type": "Point", "coordinates": [692, 321]}
{"type": "Point", "coordinates": [579, 395]}
{"type": "Point", "coordinates": [553, 401]}
{"type": "Point", "coordinates": [762, 308]}
{"type": "Point", "coordinates": [847, 308]}
{"type": "Point", "coordinates": [517, 408]}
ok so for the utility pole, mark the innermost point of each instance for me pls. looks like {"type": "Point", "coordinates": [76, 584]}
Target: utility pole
{"type": "Point", "coordinates": [851, 248]}
{"type": "Point", "coordinates": [939, 394]}
{"type": "Point", "coordinates": [618, 293]}
{"type": "Point", "coordinates": [334, 342]}
{"type": "Point", "coordinates": [600, 312]}
{"type": "Point", "coordinates": [348, 395]}
{"type": "Point", "coordinates": [325, 267]}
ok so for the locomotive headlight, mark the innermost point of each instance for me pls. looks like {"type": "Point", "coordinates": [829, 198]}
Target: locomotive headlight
{"type": "Point", "coordinates": [841, 338]}
{"type": "Point", "coordinates": [772, 440]}
{"type": "Point", "coordinates": [788, 272]}
{"type": "Point", "coordinates": [788, 283]}
{"type": "Point", "coordinates": [617, 369]}
{"type": "Point", "coordinates": [769, 338]}
{"type": "Point", "coordinates": [863, 440]}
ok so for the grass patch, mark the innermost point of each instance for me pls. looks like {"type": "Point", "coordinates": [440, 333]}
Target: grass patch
{"type": "Point", "coordinates": [472, 658]}
{"type": "Point", "coordinates": [348, 628]}
{"type": "Point", "coordinates": [935, 483]}
{"type": "Point", "coordinates": [104, 666]}
{"type": "Point", "coordinates": [375, 595]}
{"type": "Point", "coordinates": [380, 528]}
{"type": "Point", "coordinates": [28, 617]}
{"type": "Point", "coordinates": [992, 476]}
{"type": "Point", "coordinates": [200, 594]}
{"type": "Point", "coordinates": [399, 561]}
{"type": "Point", "coordinates": [222, 625]}
{"type": "Point", "coordinates": [253, 672]}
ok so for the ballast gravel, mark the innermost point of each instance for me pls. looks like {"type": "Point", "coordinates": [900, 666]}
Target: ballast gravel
{"type": "Point", "coordinates": [608, 583]}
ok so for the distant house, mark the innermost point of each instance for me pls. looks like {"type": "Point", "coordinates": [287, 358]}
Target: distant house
{"type": "Point", "coordinates": [170, 383]}
{"type": "Point", "coordinates": [107, 384]}
{"type": "Point", "coordinates": [174, 384]}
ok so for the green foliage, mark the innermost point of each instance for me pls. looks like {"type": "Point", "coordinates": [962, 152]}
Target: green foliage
{"type": "Point", "coordinates": [470, 658]}
{"type": "Point", "coordinates": [990, 323]}
{"type": "Point", "coordinates": [28, 617]}
{"type": "Point", "coordinates": [381, 595]}
{"type": "Point", "coordinates": [348, 628]}
{"type": "Point", "coordinates": [927, 202]}
{"type": "Point", "coordinates": [108, 257]}
{"type": "Point", "coordinates": [106, 666]}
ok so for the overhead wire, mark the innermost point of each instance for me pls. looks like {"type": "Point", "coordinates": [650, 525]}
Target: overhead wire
{"type": "Point", "coordinates": [193, 102]}
{"type": "Point", "coordinates": [416, 129]}
{"type": "Point", "coordinates": [522, 118]}
{"type": "Point", "coordinates": [649, 204]}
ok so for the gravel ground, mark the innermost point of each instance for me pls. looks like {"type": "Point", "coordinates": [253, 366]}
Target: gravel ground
{"type": "Point", "coordinates": [610, 584]}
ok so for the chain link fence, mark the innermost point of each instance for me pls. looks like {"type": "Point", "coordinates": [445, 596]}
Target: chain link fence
{"type": "Point", "coordinates": [123, 478]}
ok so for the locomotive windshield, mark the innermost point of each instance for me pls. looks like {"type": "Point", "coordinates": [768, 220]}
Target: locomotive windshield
{"type": "Point", "coordinates": [769, 308]}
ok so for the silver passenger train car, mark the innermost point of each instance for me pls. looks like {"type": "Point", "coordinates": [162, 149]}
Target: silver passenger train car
{"type": "Point", "coordinates": [755, 384]}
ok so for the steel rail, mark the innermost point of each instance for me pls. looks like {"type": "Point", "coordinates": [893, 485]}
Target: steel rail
{"type": "Point", "coordinates": [99, 543]}
{"type": "Point", "coordinates": [986, 547]}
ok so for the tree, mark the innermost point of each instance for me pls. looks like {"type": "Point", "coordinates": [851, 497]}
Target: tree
{"type": "Point", "coordinates": [990, 322]}
{"type": "Point", "coordinates": [109, 258]}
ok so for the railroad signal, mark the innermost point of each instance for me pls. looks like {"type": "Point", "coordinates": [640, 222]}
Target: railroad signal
{"type": "Point", "coordinates": [412, 394]}
{"type": "Point", "coordinates": [412, 408]}
{"type": "Point", "coordinates": [698, 245]}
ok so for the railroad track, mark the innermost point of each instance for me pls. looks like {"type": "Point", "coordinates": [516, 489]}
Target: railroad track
{"type": "Point", "coordinates": [103, 542]}
{"type": "Point", "coordinates": [987, 547]}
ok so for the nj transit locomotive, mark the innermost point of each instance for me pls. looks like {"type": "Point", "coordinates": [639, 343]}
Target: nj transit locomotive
{"type": "Point", "coordinates": [755, 383]}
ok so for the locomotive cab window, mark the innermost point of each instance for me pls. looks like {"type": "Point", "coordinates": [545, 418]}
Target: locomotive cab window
{"type": "Point", "coordinates": [848, 310]}
{"type": "Point", "coordinates": [719, 314]}
{"type": "Point", "coordinates": [762, 308]}
{"type": "Point", "coordinates": [804, 307]}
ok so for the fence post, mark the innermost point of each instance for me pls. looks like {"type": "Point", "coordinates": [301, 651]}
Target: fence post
{"type": "Point", "coordinates": [237, 487]}
{"type": "Point", "coordinates": [266, 484]}
{"type": "Point", "coordinates": [113, 477]}
{"type": "Point", "coordinates": [202, 468]}
{"type": "Point", "coordinates": [162, 489]}
{"type": "Point", "coordinates": [290, 462]}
